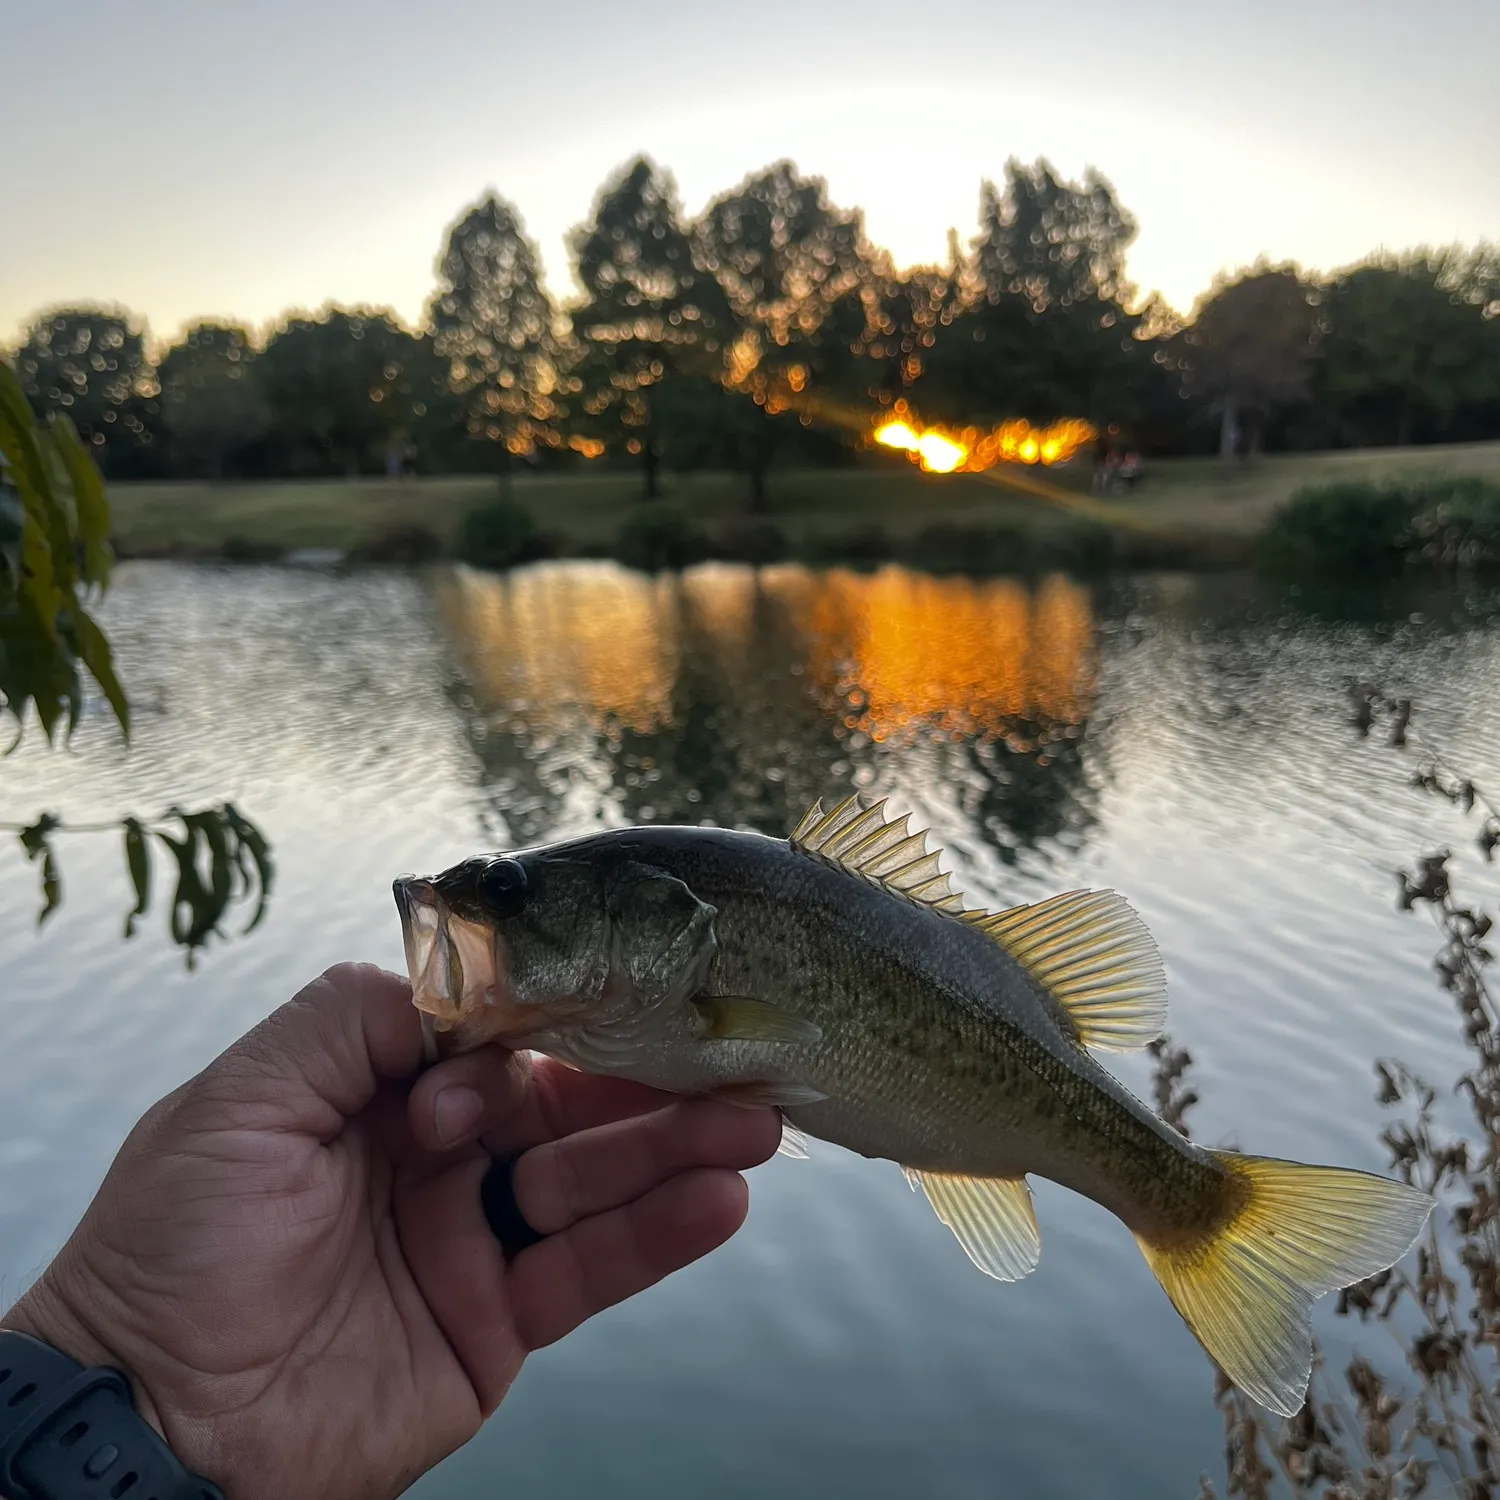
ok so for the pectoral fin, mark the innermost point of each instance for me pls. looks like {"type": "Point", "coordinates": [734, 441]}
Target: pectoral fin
{"type": "Point", "coordinates": [757, 1092]}
{"type": "Point", "coordinates": [991, 1217]}
{"type": "Point", "coordinates": [739, 1018]}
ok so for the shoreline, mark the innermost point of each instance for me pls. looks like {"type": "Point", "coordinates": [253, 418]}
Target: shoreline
{"type": "Point", "coordinates": [1186, 512]}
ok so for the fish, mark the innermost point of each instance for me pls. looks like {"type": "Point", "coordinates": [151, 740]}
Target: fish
{"type": "Point", "coordinates": [837, 976]}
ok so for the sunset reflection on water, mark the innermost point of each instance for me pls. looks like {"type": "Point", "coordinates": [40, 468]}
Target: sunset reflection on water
{"type": "Point", "coordinates": [885, 655]}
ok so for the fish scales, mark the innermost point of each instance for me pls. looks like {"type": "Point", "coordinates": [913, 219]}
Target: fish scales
{"type": "Point", "coordinates": [938, 1050]}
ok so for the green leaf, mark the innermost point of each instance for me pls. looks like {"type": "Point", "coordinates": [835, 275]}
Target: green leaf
{"type": "Point", "coordinates": [90, 508]}
{"type": "Point", "coordinates": [138, 861]}
{"type": "Point", "coordinates": [51, 886]}
{"type": "Point", "coordinates": [94, 648]}
{"type": "Point", "coordinates": [21, 446]}
{"type": "Point", "coordinates": [31, 455]}
{"type": "Point", "coordinates": [192, 907]}
{"type": "Point", "coordinates": [249, 839]}
{"type": "Point", "coordinates": [34, 666]}
{"type": "Point", "coordinates": [34, 840]}
{"type": "Point", "coordinates": [211, 825]}
{"type": "Point", "coordinates": [45, 633]}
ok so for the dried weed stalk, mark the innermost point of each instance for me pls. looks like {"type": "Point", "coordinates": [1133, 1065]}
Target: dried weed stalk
{"type": "Point", "coordinates": [1438, 1434]}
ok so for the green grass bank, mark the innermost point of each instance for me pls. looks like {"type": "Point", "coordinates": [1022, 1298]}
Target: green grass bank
{"type": "Point", "coordinates": [1186, 509]}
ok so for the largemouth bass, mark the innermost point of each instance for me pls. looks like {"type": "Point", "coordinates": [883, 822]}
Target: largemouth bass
{"type": "Point", "coordinates": [837, 977]}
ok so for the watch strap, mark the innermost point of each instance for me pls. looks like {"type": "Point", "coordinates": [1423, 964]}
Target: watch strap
{"type": "Point", "coordinates": [67, 1433]}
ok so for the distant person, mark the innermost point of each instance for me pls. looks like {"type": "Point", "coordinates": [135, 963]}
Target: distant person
{"type": "Point", "coordinates": [1102, 451]}
{"type": "Point", "coordinates": [321, 1267]}
{"type": "Point", "coordinates": [1110, 484]}
{"type": "Point", "coordinates": [1131, 469]}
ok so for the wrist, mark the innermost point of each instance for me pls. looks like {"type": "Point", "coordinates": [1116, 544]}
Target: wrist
{"type": "Point", "coordinates": [46, 1315]}
{"type": "Point", "coordinates": [70, 1425]}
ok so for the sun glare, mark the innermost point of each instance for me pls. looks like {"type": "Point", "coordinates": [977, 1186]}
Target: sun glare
{"type": "Point", "coordinates": [944, 450]}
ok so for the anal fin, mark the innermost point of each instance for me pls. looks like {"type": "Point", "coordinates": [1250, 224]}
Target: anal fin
{"type": "Point", "coordinates": [793, 1143]}
{"type": "Point", "coordinates": [991, 1217]}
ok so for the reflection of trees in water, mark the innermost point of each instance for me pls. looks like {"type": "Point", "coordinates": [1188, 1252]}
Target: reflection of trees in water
{"type": "Point", "coordinates": [1022, 797]}
{"type": "Point", "coordinates": [999, 673]}
{"type": "Point", "coordinates": [897, 651]}
{"type": "Point", "coordinates": [737, 698]}
{"type": "Point", "coordinates": [745, 743]}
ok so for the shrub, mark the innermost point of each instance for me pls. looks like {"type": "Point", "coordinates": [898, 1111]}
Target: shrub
{"type": "Point", "coordinates": [1458, 523]}
{"type": "Point", "coordinates": [401, 544]}
{"type": "Point", "coordinates": [1081, 545]}
{"type": "Point", "coordinates": [945, 548]}
{"type": "Point", "coordinates": [656, 536]}
{"type": "Point", "coordinates": [863, 547]}
{"type": "Point", "coordinates": [500, 534]}
{"type": "Point", "coordinates": [744, 539]}
{"type": "Point", "coordinates": [1351, 526]}
{"type": "Point", "coordinates": [245, 549]}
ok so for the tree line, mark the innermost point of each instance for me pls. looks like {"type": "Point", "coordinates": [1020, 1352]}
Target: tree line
{"type": "Point", "coordinates": [771, 330]}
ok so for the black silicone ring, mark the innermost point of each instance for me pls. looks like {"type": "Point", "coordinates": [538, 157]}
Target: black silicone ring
{"type": "Point", "coordinates": [67, 1433]}
{"type": "Point", "coordinates": [497, 1196]}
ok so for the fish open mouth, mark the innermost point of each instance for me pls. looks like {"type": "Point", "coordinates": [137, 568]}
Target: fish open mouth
{"type": "Point", "coordinates": [456, 968]}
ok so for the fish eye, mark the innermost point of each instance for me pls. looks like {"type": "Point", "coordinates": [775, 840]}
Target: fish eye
{"type": "Point", "coordinates": [502, 887]}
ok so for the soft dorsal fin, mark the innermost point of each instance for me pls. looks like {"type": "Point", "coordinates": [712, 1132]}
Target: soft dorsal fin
{"type": "Point", "coordinates": [858, 837]}
{"type": "Point", "coordinates": [1094, 954]}
{"type": "Point", "coordinates": [991, 1217]}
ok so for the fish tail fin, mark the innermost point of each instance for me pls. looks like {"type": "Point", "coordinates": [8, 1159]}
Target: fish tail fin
{"type": "Point", "coordinates": [1287, 1234]}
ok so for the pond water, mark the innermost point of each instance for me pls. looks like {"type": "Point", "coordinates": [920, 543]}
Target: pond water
{"type": "Point", "coordinates": [1184, 740]}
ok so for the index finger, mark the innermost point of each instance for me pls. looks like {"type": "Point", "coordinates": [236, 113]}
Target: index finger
{"type": "Point", "coordinates": [527, 1099]}
{"type": "Point", "coordinates": [320, 1058]}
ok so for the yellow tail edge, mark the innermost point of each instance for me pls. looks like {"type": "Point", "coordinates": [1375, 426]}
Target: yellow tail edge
{"type": "Point", "coordinates": [1246, 1288]}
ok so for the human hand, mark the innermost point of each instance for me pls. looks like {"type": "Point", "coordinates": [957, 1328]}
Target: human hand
{"type": "Point", "coordinates": [290, 1260]}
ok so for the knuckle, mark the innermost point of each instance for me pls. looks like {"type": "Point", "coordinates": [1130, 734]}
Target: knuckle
{"type": "Point", "coordinates": [347, 978]}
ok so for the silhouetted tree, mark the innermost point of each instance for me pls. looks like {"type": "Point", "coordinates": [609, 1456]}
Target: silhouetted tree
{"type": "Point", "coordinates": [211, 400]}
{"type": "Point", "coordinates": [1250, 349]}
{"type": "Point", "coordinates": [1402, 354]}
{"type": "Point", "coordinates": [652, 316]}
{"type": "Point", "coordinates": [90, 365]}
{"type": "Point", "coordinates": [1057, 244]}
{"type": "Point", "coordinates": [914, 309]}
{"type": "Point", "coordinates": [491, 321]}
{"type": "Point", "coordinates": [799, 278]}
{"type": "Point", "coordinates": [331, 383]}
{"type": "Point", "coordinates": [1037, 325]}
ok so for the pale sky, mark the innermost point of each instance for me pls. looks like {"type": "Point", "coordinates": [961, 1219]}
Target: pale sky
{"type": "Point", "coordinates": [193, 158]}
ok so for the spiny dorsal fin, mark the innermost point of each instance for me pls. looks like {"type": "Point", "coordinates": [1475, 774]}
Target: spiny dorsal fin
{"type": "Point", "coordinates": [1093, 953]}
{"type": "Point", "coordinates": [858, 837]}
{"type": "Point", "coordinates": [991, 1217]}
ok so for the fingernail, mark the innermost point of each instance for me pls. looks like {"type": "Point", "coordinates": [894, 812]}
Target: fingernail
{"type": "Point", "coordinates": [455, 1112]}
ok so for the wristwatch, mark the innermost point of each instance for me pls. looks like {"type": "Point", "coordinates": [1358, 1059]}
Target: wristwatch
{"type": "Point", "coordinates": [67, 1433]}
